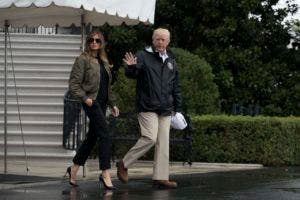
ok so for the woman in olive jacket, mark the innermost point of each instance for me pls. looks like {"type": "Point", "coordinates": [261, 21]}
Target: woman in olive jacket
{"type": "Point", "coordinates": [90, 83]}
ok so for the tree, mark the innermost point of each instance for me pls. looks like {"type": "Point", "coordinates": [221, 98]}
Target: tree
{"type": "Point", "coordinates": [199, 92]}
{"type": "Point", "coordinates": [245, 41]}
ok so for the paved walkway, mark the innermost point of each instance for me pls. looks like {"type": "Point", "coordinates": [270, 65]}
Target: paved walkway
{"type": "Point", "coordinates": [203, 181]}
{"type": "Point", "coordinates": [45, 172]}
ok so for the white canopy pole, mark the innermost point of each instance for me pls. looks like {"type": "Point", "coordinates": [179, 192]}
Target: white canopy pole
{"type": "Point", "coordinates": [82, 31]}
{"type": "Point", "coordinates": [6, 25]}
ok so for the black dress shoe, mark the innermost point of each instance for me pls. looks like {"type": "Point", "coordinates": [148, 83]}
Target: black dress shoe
{"type": "Point", "coordinates": [69, 172]}
{"type": "Point", "coordinates": [101, 180]}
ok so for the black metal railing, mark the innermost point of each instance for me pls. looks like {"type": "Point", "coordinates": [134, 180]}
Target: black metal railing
{"type": "Point", "coordinates": [73, 123]}
{"type": "Point", "coordinates": [249, 109]}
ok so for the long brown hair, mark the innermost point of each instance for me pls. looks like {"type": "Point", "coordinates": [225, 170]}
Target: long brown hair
{"type": "Point", "coordinates": [101, 51]}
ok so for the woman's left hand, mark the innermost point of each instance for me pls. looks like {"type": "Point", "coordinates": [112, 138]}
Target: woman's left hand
{"type": "Point", "coordinates": [115, 111]}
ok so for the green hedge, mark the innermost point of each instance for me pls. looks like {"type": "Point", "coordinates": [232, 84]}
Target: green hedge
{"type": "Point", "coordinates": [271, 141]}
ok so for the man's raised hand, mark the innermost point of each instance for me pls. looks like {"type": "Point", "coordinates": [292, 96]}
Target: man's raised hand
{"type": "Point", "coordinates": [129, 59]}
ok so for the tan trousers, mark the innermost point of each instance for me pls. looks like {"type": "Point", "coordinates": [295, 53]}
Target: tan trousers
{"type": "Point", "coordinates": [155, 130]}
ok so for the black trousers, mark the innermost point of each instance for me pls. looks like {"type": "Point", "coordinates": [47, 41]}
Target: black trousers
{"type": "Point", "coordinates": [98, 132]}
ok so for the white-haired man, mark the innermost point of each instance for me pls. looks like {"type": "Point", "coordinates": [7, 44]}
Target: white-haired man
{"type": "Point", "coordinates": [158, 95]}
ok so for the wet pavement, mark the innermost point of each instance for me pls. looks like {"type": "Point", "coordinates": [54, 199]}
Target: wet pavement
{"type": "Point", "coordinates": [265, 183]}
{"type": "Point", "coordinates": [14, 179]}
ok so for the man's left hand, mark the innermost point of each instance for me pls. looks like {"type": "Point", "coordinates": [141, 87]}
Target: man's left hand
{"type": "Point", "coordinates": [115, 111]}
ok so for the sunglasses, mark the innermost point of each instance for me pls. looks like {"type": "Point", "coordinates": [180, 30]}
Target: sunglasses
{"type": "Point", "coordinates": [91, 40]}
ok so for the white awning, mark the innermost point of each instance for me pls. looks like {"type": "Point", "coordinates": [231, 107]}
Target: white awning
{"type": "Point", "coordinates": [67, 12]}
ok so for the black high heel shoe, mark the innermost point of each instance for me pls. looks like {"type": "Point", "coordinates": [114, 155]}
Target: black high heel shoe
{"type": "Point", "coordinates": [69, 172]}
{"type": "Point", "coordinates": [101, 180]}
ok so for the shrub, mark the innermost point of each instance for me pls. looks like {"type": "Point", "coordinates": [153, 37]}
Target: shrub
{"type": "Point", "coordinates": [199, 92]}
{"type": "Point", "coordinates": [240, 139]}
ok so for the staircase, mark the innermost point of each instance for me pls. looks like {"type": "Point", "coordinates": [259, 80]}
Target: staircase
{"type": "Point", "coordinates": [42, 65]}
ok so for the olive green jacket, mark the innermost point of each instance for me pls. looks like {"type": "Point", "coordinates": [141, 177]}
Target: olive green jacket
{"type": "Point", "coordinates": [85, 79]}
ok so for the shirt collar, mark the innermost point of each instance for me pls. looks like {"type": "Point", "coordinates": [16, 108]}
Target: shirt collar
{"type": "Point", "coordinates": [163, 55]}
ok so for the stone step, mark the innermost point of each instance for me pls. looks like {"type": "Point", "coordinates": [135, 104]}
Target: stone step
{"type": "Point", "coordinates": [45, 58]}
{"type": "Point", "coordinates": [34, 98]}
{"type": "Point", "coordinates": [38, 72]}
{"type": "Point", "coordinates": [60, 81]}
{"type": "Point", "coordinates": [33, 136]}
{"type": "Point", "coordinates": [39, 65]}
{"type": "Point", "coordinates": [35, 89]}
{"type": "Point", "coordinates": [67, 154]}
{"type": "Point", "coordinates": [33, 125]}
{"type": "Point", "coordinates": [32, 147]}
{"type": "Point", "coordinates": [39, 49]}
{"type": "Point", "coordinates": [33, 107]}
{"type": "Point", "coordinates": [34, 116]}
{"type": "Point", "coordinates": [31, 38]}
{"type": "Point", "coordinates": [43, 45]}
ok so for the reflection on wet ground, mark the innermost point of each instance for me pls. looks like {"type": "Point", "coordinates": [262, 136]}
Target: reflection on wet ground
{"type": "Point", "coordinates": [268, 183]}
